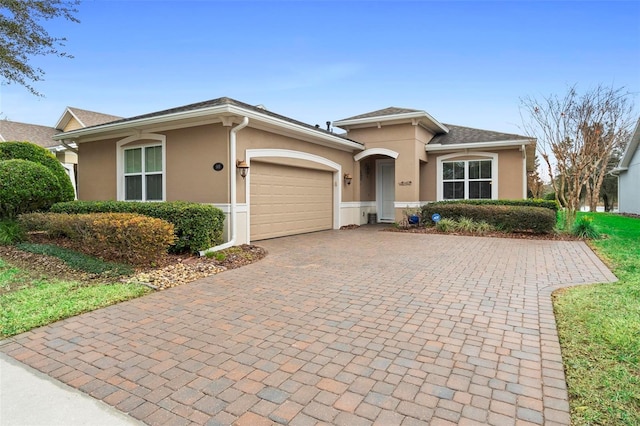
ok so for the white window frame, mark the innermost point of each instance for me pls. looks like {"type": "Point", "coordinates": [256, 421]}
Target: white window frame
{"type": "Point", "coordinates": [464, 157]}
{"type": "Point", "coordinates": [147, 140]}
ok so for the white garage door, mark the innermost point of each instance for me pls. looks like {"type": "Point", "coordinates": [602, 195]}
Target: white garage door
{"type": "Point", "coordinates": [289, 200]}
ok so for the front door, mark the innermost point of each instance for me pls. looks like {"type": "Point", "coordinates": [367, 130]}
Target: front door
{"type": "Point", "coordinates": [385, 190]}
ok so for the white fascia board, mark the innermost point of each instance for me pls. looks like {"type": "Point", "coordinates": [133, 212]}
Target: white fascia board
{"type": "Point", "coordinates": [618, 170]}
{"type": "Point", "coordinates": [226, 110]}
{"type": "Point", "coordinates": [394, 117]}
{"type": "Point", "coordinates": [476, 145]}
{"type": "Point", "coordinates": [132, 124]}
{"type": "Point", "coordinates": [59, 124]}
{"type": "Point", "coordinates": [283, 125]}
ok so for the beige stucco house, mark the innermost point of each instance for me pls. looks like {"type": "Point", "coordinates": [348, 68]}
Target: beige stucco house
{"type": "Point", "coordinates": [299, 178]}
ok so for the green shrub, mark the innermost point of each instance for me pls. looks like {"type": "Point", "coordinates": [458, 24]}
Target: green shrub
{"type": "Point", "coordinates": [10, 232]}
{"type": "Point", "coordinates": [122, 237]}
{"type": "Point", "coordinates": [466, 225]}
{"type": "Point", "coordinates": [531, 202]}
{"type": "Point", "coordinates": [446, 225]}
{"type": "Point", "coordinates": [583, 228]}
{"type": "Point", "coordinates": [483, 227]}
{"type": "Point", "coordinates": [508, 218]}
{"type": "Point", "coordinates": [197, 226]}
{"type": "Point", "coordinates": [25, 186]}
{"type": "Point", "coordinates": [31, 152]}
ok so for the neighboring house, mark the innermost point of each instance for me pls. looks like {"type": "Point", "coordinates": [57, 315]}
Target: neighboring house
{"type": "Point", "coordinates": [628, 172]}
{"type": "Point", "coordinates": [299, 178]}
{"type": "Point", "coordinates": [71, 119]}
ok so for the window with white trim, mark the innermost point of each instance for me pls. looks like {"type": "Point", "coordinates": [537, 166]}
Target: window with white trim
{"type": "Point", "coordinates": [468, 179]}
{"type": "Point", "coordinates": [143, 173]}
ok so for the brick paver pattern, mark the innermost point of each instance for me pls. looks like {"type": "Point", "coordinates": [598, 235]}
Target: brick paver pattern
{"type": "Point", "coordinates": [352, 327]}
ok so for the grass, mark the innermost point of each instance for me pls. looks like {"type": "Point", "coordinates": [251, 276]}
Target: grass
{"type": "Point", "coordinates": [599, 330]}
{"type": "Point", "coordinates": [28, 300]}
{"type": "Point", "coordinates": [79, 261]}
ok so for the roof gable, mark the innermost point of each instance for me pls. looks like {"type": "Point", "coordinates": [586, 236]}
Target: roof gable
{"type": "Point", "coordinates": [382, 113]}
{"type": "Point", "coordinates": [83, 118]}
{"type": "Point", "coordinates": [391, 116]}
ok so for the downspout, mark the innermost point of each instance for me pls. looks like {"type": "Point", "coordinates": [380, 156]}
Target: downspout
{"type": "Point", "coordinates": [233, 225]}
{"type": "Point", "coordinates": [69, 147]}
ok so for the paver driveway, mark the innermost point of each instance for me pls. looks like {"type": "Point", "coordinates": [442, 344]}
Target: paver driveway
{"type": "Point", "coordinates": [339, 327]}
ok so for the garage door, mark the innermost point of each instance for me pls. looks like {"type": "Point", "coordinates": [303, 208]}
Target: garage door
{"type": "Point", "coordinates": [289, 200]}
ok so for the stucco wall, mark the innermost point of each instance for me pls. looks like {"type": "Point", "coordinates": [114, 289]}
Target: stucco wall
{"type": "Point", "coordinates": [96, 170]}
{"type": "Point", "coordinates": [510, 172]}
{"type": "Point", "coordinates": [250, 138]}
{"type": "Point", "coordinates": [191, 154]}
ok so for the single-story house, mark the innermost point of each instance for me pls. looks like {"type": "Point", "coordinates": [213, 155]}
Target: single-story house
{"type": "Point", "coordinates": [275, 176]}
{"type": "Point", "coordinates": [71, 119]}
{"type": "Point", "coordinates": [628, 172]}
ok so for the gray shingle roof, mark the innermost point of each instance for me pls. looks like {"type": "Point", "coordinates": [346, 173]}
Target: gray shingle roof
{"type": "Point", "coordinates": [460, 134]}
{"type": "Point", "coordinates": [382, 113]}
{"type": "Point", "coordinates": [92, 118]}
{"type": "Point", "coordinates": [226, 101]}
{"type": "Point", "coordinates": [39, 135]}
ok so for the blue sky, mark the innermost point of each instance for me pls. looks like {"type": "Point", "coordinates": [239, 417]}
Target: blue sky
{"type": "Point", "coordinates": [465, 63]}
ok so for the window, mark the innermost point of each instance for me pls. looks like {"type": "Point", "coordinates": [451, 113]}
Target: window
{"type": "Point", "coordinates": [471, 179]}
{"type": "Point", "coordinates": [143, 173]}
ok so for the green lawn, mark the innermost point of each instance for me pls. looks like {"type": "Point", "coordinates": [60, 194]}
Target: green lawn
{"type": "Point", "coordinates": [599, 328]}
{"type": "Point", "coordinates": [28, 301]}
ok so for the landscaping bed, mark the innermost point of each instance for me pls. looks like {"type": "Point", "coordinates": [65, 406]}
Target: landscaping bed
{"type": "Point", "coordinates": [556, 236]}
{"type": "Point", "coordinates": [172, 271]}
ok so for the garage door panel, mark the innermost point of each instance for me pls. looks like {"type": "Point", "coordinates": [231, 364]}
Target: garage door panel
{"type": "Point", "coordinates": [289, 200]}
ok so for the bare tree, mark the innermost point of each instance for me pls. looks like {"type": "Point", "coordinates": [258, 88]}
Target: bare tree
{"type": "Point", "coordinates": [576, 135]}
{"type": "Point", "coordinates": [22, 37]}
{"type": "Point", "coordinates": [593, 187]}
{"type": "Point", "coordinates": [534, 181]}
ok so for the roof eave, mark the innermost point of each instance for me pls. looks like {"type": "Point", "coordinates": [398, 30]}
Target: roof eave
{"type": "Point", "coordinates": [476, 145]}
{"type": "Point", "coordinates": [631, 148]}
{"type": "Point", "coordinates": [217, 110]}
{"type": "Point", "coordinates": [434, 124]}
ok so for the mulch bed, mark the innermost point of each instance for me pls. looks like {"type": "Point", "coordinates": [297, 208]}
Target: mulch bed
{"type": "Point", "coordinates": [173, 270]}
{"type": "Point", "coordinates": [518, 235]}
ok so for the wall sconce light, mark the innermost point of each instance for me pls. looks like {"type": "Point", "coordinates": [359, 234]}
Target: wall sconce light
{"type": "Point", "coordinates": [243, 167]}
{"type": "Point", "coordinates": [347, 178]}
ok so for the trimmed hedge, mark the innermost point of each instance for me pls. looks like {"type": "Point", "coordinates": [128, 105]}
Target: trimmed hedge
{"type": "Point", "coordinates": [529, 202]}
{"type": "Point", "coordinates": [37, 154]}
{"type": "Point", "coordinates": [25, 187]}
{"type": "Point", "coordinates": [507, 218]}
{"type": "Point", "coordinates": [197, 226]}
{"type": "Point", "coordinates": [121, 237]}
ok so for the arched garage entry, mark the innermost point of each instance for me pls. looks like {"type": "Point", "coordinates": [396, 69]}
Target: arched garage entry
{"type": "Point", "coordinates": [291, 192]}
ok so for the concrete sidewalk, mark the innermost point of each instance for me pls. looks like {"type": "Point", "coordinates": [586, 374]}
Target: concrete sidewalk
{"type": "Point", "coordinates": [28, 397]}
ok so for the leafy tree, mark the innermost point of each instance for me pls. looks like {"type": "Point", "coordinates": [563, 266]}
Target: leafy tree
{"type": "Point", "coordinates": [577, 134]}
{"type": "Point", "coordinates": [22, 37]}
